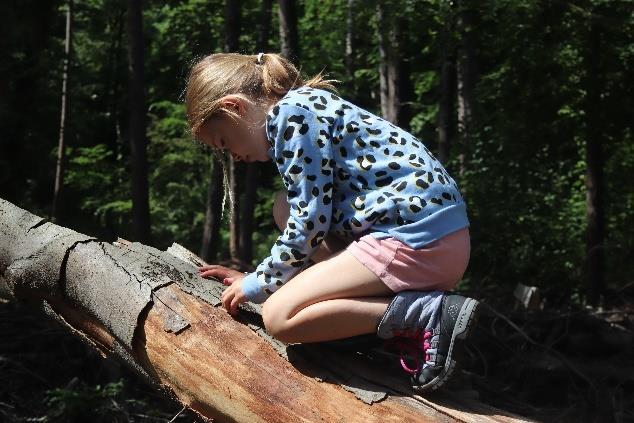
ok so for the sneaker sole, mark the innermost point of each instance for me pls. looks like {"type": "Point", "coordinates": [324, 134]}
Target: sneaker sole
{"type": "Point", "coordinates": [467, 319]}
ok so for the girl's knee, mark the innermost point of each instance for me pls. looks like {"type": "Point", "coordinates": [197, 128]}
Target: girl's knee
{"type": "Point", "coordinates": [275, 320]}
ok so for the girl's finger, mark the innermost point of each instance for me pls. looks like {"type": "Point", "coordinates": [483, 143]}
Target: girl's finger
{"type": "Point", "coordinates": [226, 301]}
{"type": "Point", "coordinates": [207, 267]}
{"type": "Point", "coordinates": [218, 273]}
{"type": "Point", "coordinates": [228, 281]}
{"type": "Point", "coordinates": [234, 305]}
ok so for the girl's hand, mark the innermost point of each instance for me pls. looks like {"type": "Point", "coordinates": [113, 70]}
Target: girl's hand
{"type": "Point", "coordinates": [218, 271]}
{"type": "Point", "coordinates": [233, 295]}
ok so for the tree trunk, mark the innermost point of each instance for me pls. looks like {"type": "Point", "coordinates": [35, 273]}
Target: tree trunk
{"type": "Point", "coordinates": [384, 57]}
{"type": "Point", "coordinates": [213, 213]}
{"type": "Point", "coordinates": [150, 309]}
{"type": "Point", "coordinates": [402, 80]}
{"type": "Point", "coordinates": [447, 91]}
{"type": "Point", "coordinates": [61, 147]}
{"type": "Point", "coordinates": [138, 139]}
{"type": "Point", "coordinates": [393, 71]}
{"type": "Point", "coordinates": [113, 86]}
{"type": "Point", "coordinates": [236, 170]}
{"type": "Point", "coordinates": [232, 26]}
{"type": "Point", "coordinates": [252, 177]}
{"type": "Point", "coordinates": [466, 75]}
{"type": "Point", "coordinates": [289, 38]}
{"type": "Point", "coordinates": [350, 44]}
{"type": "Point", "coordinates": [595, 184]}
{"type": "Point", "coordinates": [265, 26]}
{"type": "Point", "coordinates": [235, 185]}
{"type": "Point", "coordinates": [445, 109]}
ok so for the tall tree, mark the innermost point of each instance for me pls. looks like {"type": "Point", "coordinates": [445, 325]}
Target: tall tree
{"type": "Point", "coordinates": [253, 169]}
{"type": "Point", "coordinates": [447, 87]}
{"type": "Point", "coordinates": [137, 122]}
{"type": "Point", "coordinates": [466, 70]}
{"type": "Point", "coordinates": [214, 203]}
{"type": "Point", "coordinates": [289, 36]}
{"type": "Point", "coordinates": [236, 170]}
{"type": "Point", "coordinates": [595, 212]}
{"type": "Point", "coordinates": [394, 81]}
{"type": "Point", "coordinates": [262, 44]}
{"type": "Point", "coordinates": [213, 212]}
{"type": "Point", "coordinates": [350, 45]}
{"type": "Point", "coordinates": [113, 85]}
{"type": "Point", "coordinates": [63, 122]}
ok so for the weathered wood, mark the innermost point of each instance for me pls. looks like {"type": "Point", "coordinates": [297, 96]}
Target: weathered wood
{"type": "Point", "coordinates": [153, 312]}
{"type": "Point", "coordinates": [223, 370]}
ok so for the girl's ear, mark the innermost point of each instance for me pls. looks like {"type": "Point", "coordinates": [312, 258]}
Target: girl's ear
{"type": "Point", "coordinates": [234, 104]}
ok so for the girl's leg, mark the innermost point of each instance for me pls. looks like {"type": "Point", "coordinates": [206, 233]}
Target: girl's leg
{"type": "Point", "coordinates": [335, 298]}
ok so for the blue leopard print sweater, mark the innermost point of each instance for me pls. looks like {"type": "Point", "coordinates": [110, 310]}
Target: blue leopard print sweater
{"type": "Point", "coordinates": [349, 172]}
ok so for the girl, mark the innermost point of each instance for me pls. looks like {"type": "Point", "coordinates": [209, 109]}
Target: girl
{"type": "Point", "coordinates": [374, 229]}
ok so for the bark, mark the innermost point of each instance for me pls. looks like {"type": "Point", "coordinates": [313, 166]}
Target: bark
{"type": "Point", "coordinates": [63, 122]}
{"type": "Point", "coordinates": [253, 171]}
{"type": "Point", "coordinates": [466, 75]}
{"type": "Point", "coordinates": [350, 42]}
{"type": "Point", "coordinates": [447, 91]}
{"type": "Point", "coordinates": [151, 310]}
{"type": "Point", "coordinates": [384, 57]}
{"type": "Point", "coordinates": [251, 183]}
{"type": "Point", "coordinates": [213, 214]}
{"type": "Point", "coordinates": [113, 92]}
{"type": "Point", "coordinates": [265, 26]}
{"type": "Point", "coordinates": [595, 184]}
{"type": "Point", "coordinates": [394, 81]}
{"type": "Point", "coordinates": [236, 170]}
{"type": "Point", "coordinates": [289, 38]}
{"type": "Point", "coordinates": [403, 83]}
{"type": "Point", "coordinates": [232, 25]}
{"type": "Point", "coordinates": [445, 109]}
{"type": "Point", "coordinates": [138, 138]}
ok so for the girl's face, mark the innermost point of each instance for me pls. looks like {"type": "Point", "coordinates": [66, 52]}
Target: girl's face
{"type": "Point", "coordinates": [244, 138]}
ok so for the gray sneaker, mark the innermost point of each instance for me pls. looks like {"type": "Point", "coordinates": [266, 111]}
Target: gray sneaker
{"type": "Point", "coordinates": [431, 323]}
{"type": "Point", "coordinates": [409, 314]}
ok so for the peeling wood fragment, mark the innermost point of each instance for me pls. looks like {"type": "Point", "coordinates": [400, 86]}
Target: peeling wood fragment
{"type": "Point", "coordinates": [528, 296]}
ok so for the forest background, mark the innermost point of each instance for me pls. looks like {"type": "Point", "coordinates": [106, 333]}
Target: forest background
{"type": "Point", "coordinates": [527, 103]}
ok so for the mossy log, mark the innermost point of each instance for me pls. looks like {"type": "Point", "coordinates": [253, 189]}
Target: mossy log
{"type": "Point", "coordinates": [151, 310]}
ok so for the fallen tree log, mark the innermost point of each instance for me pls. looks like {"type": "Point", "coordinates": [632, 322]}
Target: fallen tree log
{"type": "Point", "coordinates": [151, 310]}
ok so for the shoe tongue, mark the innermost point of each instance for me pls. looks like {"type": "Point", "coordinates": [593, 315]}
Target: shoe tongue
{"type": "Point", "coordinates": [433, 346]}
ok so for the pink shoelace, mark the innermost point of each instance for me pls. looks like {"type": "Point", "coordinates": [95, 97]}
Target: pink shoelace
{"type": "Point", "coordinates": [412, 343]}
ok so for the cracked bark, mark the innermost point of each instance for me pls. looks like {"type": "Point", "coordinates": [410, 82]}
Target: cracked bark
{"type": "Point", "coordinates": [151, 310]}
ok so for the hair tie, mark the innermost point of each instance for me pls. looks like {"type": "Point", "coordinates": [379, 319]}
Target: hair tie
{"type": "Point", "coordinates": [259, 60]}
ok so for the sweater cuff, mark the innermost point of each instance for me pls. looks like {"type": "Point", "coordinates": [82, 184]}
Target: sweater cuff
{"type": "Point", "coordinates": [252, 289]}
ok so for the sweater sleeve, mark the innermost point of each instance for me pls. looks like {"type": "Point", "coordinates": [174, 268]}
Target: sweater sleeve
{"type": "Point", "coordinates": [302, 152]}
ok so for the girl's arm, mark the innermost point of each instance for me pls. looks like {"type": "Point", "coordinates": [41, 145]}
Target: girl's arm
{"type": "Point", "coordinates": [304, 159]}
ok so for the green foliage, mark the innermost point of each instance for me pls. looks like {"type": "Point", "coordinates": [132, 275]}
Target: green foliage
{"type": "Point", "coordinates": [178, 177]}
{"type": "Point", "coordinates": [98, 177]}
{"type": "Point", "coordinates": [522, 167]}
{"type": "Point", "coordinates": [95, 403]}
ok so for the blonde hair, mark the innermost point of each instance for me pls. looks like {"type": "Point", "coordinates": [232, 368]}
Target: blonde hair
{"type": "Point", "coordinates": [218, 75]}
{"type": "Point", "coordinates": [256, 78]}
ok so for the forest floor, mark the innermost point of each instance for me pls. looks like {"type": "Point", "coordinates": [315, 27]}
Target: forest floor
{"type": "Point", "coordinates": [559, 364]}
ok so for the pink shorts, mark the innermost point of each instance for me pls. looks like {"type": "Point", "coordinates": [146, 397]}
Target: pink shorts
{"type": "Point", "coordinates": [437, 266]}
